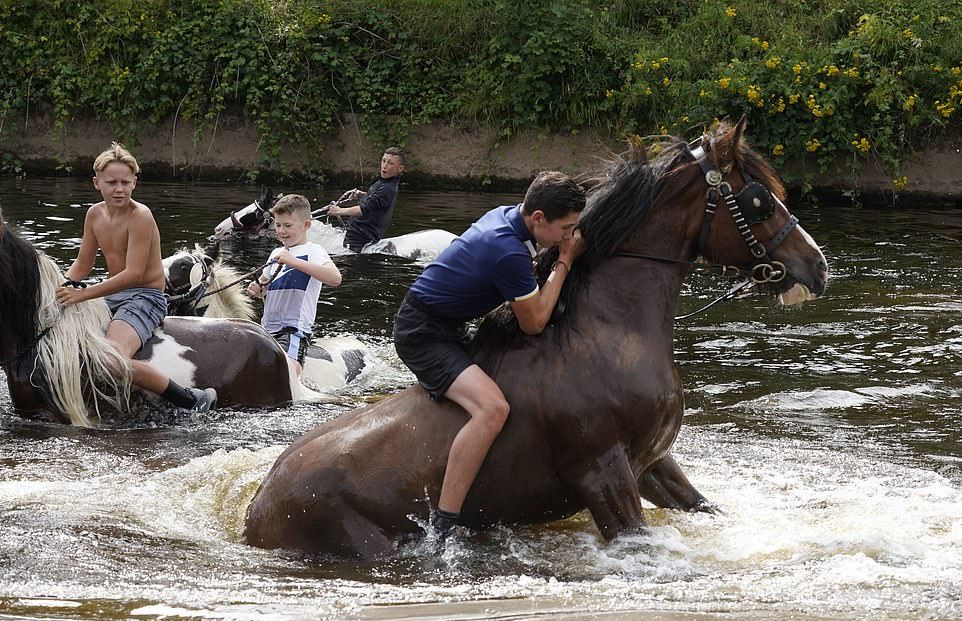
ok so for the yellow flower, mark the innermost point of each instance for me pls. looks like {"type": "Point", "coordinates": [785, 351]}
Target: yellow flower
{"type": "Point", "coordinates": [937, 68]}
{"type": "Point", "coordinates": [862, 144]}
{"type": "Point", "coordinates": [756, 41]}
{"type": "Point", "coordinates": [778, 149]}
{"type": "Point", "coordinates": [666, 81]}
{"type": "Point", "coordinates": [773, 62]}
{"type": "Point", "coordinates": [956, 71]}
{"type": "Point", "coordinates": [813, 145]}
{"type": "Point", "coordinates": [724, 82]}
{"type": "Point", "coordinates": [831, 71]}
{"type": "Point", "coordinates": [910, 102]}
{"type": "Point", "coordinates": [851, 72]}
{"type": "Point", "coordinates": [945, 108]}
{"type": "Point", "coordinates": [609, 93]}
{"type": "Point", "coordinates": [765, 45]}
{"type": "Point", "coordinates": [730, 11]}
{"type": "Point", "coordinates": [793, 98]}
{"type": "Point", "coordinates": [703, 93]}
{"type": "Point", "coordinates": [754, 95]}
{"type": "Point", "coordinates": [900, 182]}
{"type": "Point", "coordinates": [780, 105]}
{"type": "Point", "coordinates": [648, 91]}
{"type": "Point", "coordinates": [821, 85]}
{"type": "Point", "coordinates": [797, 68]}
{"type": "Point", "coordinates": [908, 34]}
{"type": "Point", "coordinates": [663, 59]}
{"type": "Point", "coordinates": [655, 64]}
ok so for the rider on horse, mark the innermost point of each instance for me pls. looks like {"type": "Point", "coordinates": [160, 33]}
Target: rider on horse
{"type": "Point", "coordinates": [488, 265]}
{"type": "Point", "coordinates": [370, 219]}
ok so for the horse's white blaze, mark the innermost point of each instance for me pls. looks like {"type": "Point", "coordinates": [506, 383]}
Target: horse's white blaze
{"type": "Point", "coordinates": [811, 242]}
{"type": "Point", "coordinates": [224, 229]}
{"type": "Point", "coordinates": [169, 356]}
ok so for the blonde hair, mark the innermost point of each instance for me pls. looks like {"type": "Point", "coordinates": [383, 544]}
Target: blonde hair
{"type": "Point", "coordinates": [116, 153]}
{"type": "Point", "coordinates": [294, 204]}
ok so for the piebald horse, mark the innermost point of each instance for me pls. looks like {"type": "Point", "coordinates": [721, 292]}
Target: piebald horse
{"type": "Point", "coordinates": [200, 284]}
{"type": "Point", "coordinates": [589, 427]}
{"type": "Point", "coordinates": [60, 367]}
{"type": "Point", "coordinates": [255, 219]}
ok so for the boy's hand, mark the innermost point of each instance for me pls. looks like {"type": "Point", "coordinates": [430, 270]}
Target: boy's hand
{"type": "Point", "coordinates": [68, 296]}
{"type": "Point", "coordinates": [255, 289]}
{"type": "Point", "coordinates": [571, 248]}
{"type": "Point", "coordinates": [285, 258]}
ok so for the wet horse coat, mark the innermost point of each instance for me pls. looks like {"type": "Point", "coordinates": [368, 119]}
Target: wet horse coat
{"type": "Point", "coordinates": [60, 367]}
{"type": "Point", "coordinates": [589, 427]}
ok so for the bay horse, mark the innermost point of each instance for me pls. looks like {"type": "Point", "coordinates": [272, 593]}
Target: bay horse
{"type": "Point", "coordinates": [255, 220]}
{"type": "Point", "coordinates": [596, 399]}
{"type": "Point", "coordinates": [60, 367]}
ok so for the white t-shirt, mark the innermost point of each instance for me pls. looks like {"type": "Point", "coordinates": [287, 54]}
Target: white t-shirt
{"type": "Point", "coordinates": [292, 295]}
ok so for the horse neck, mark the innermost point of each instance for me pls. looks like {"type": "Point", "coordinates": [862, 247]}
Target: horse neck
{"type": "Point", "coordinates": [642, 294]}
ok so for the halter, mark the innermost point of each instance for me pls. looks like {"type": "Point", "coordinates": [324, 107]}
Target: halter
{"type": "Point", "coordinates": [186, 294]}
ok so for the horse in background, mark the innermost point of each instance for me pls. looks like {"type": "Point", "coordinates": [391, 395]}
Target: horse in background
{"type": "Point", "coordinates": [255, 220]}
{"type": "Point", "coordinates": [596, 399]}
{"type": "Point", "coordinates": [197, 284]}
{"type": "Point", "coordinates": [60, 367]}
{"type": "Point", "coordinates": [200, 284]}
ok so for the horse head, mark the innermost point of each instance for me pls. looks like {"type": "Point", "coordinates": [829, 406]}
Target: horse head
{"type": "Point", "coordinates": [19, 293]}
{"type": "Point", "coordinates": [186, 276]}
{"type": "Point", "coordinates": [253, 219]}
{"type": "Point", "coordinates": [715, 200]}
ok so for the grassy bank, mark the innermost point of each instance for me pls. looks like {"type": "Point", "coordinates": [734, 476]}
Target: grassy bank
{"type": "Point", "coordinates": [819, 79]}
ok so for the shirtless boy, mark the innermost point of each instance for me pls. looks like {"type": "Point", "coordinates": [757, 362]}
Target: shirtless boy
{"type": "Point", "coordinates": [126, 233]}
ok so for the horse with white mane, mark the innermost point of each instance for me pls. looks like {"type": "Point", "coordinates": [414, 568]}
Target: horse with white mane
{"type": "Point", "coordinates": [60, 366]}
{"type": "Point", "coordinates": [200, 284]}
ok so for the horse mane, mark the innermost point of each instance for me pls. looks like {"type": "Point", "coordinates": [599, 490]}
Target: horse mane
{"type": "Point", "coordinates": [619, 197]}
{"type": "Point", "coordinates": [231, 303]}
{"type": "Point", "coordinates": [19, 284]}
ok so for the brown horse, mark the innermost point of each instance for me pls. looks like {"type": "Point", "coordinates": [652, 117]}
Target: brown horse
{"type": "Point", "coordinates": [60, 366]}
{"type": "Point", "coordinates": [596, 400]}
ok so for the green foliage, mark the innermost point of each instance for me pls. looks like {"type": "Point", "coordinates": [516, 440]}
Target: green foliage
{"type": "Point", "coordinates": [818, 79]}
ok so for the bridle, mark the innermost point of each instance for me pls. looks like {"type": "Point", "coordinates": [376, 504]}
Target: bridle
{"type": "Point", "coordinates": [753, 203]}
{"type": "Point", "coordinates": [184, 298]}
{"type": "Point", "coordinates": [264, 218]}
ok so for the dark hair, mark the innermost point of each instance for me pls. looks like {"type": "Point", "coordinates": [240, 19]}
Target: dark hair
{"type": "Point", "coordinates": [554, 193]}
{"type": "Point", "coordinates": [398, 151]}
{"type": "Point", "coordinates": [292, 204]}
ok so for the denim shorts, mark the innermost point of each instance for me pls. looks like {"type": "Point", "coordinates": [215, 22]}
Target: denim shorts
{"type": "Point", "coordinates": [293, 342]}
{"type": "Point", "coordinates": [142, 308]}
{"type": "Point", "coordinates": [433, 347]}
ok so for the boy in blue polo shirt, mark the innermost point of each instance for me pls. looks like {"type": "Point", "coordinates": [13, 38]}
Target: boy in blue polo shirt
{"type": "Point", "coordinates": [488, 265]}
{"type": "Point", "coordinates": [293, 282]}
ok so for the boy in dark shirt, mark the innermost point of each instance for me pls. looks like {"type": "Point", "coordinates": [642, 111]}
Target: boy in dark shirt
{"type": "Point", "coordinates": [370, 219]}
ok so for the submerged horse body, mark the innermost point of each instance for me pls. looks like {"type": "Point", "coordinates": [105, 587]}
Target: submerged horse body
{"type": "Point", "coordinates": [60, 366]}
{"type": "Point", "coordinates": [255, 219]}
{"type": "Point", "coordinates": [589, 426]}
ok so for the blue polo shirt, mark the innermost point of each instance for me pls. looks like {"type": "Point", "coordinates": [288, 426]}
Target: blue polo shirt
{"type": "Point", "coordinates": [486, 266]}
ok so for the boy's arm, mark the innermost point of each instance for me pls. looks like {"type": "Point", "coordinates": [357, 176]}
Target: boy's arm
{"type": "Point", "coordinates": [87, 254]}
{"type": "Point", "coordinates": [325, 272]}
{"type": "Point", "coordinates": [139, 233]}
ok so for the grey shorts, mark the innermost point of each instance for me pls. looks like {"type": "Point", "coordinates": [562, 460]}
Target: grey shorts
{"type": "Point", "coordinates": [141, 308]}
{"type": "Point", "coordinates": [433, 347]}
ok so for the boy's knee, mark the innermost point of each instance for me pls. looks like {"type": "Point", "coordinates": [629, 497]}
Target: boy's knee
{"type": "Point", "coordinates": [496, 415]}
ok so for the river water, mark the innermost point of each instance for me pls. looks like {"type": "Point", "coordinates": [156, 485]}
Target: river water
{"type": "Point", "coordinates": [828, 434]}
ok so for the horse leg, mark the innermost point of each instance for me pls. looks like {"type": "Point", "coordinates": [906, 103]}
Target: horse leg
{"type": "Point", "coordinates": [665, 485]}
{"type": "Point", "coordinates": [607, 486]}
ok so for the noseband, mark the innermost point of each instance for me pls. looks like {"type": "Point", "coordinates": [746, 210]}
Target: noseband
{"type": "Point", "coordinates": [183, 299]}
{"type": "Point", "coordinates": [752, 204]}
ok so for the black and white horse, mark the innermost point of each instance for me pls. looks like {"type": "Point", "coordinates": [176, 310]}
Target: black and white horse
{"type": "Point", "coordinates": [60, 366]}
{"type": "Point", "coordinates": [200, 284]}
{"type": "Point", "coordinates": [255, 219]}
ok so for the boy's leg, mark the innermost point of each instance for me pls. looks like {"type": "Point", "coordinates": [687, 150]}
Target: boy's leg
{"type": "Point", "coordinates": [480, 396]}
{"type": "Point", "coordinates": [148, 377]}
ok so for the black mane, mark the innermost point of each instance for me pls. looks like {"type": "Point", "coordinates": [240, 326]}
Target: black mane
{"type": "Point", "coordinates": [619, 197]}
{"type": "Point", "coordinates": [19, 288]}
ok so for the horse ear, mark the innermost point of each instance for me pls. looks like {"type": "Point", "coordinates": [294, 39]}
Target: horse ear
{"type": "Point", "coordinates": [636, 150]}
{"type": "Point", "coordinates": [212, 252]}
{"type": "Point", "coordinates": [727, 147]}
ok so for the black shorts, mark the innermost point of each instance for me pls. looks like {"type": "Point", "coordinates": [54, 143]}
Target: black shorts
{"type": "Point", "coordinates": [433, 347]}
{"type": "Point", "coordinates": [293, 342]}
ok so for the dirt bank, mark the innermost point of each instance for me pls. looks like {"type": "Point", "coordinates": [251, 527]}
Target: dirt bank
{"type": "Point", "coordinates": [439, 156]}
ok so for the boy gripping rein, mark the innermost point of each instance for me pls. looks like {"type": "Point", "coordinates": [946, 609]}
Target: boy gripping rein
{"type": "Point", "coordinates": [292, 283]}
{"type": "Point", "coordinates": [126, 233]}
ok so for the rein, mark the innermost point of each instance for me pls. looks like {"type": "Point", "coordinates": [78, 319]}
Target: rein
{"type": "Point", "coordinates": [23, 351]}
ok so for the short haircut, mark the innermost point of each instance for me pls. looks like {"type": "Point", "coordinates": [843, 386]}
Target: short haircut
{"type": "Point", "coordinates": [398, 151]}
{"type": "Point", "coordinates": [554, 193]}
{"type": "Point", "coordinates": [116, 153]}
{"type": "Point", "coordinates": [294, 204]}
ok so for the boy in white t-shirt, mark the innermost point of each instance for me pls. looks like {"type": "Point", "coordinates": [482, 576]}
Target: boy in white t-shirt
{"type": "Point", "coordinates": [293, 283]}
